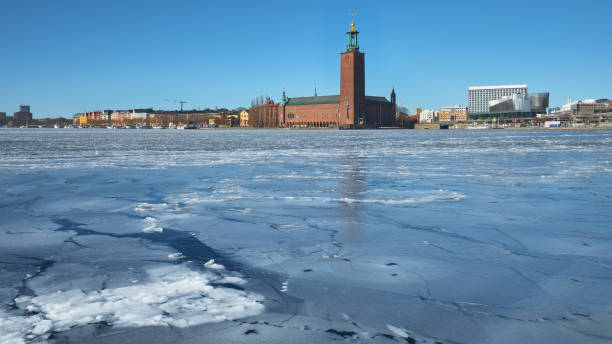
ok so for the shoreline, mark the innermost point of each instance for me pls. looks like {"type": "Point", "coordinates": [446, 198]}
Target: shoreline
{"type": "Point", "coordinates": [330, 129]}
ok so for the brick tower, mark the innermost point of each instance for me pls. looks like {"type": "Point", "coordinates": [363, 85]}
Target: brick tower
{"type": "Point", "coordinates": [352, 82]}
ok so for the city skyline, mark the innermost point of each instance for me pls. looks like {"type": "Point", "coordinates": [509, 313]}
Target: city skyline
{"type": "Point", "coordinates": [74, 57]}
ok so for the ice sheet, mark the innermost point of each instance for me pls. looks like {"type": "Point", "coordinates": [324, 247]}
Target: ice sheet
{"type": "Point", "coordinates": [373, 236]}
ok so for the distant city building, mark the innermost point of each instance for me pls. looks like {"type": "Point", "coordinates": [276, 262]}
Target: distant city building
{"type": "Point", "coordinates": [428, 116]}
{"type": "Point", "coordinates": [583, 107]}
{"type": "Point", "coordinates": [506, 101]}
{"type": "Point", "coordinates": [244, 118]}
{"type": "Point", "coordinates": [3, 120]}
{"type": "Point", "coordinates": [453, 114]}
{"type": "Point", "coordinates": [23, 116]}
{"type": "Point", "coordinates": [519, 105]}
{"type": "Point", "coordinates": [90, 118]}
{"type": "Point", "coordinates": [480, 96]}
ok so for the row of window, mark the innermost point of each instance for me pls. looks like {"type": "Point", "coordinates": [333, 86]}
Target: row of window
{"type": "Point", "coordinates": [311, 116]}
{"type": "Point", "coordinates": [513, 90]}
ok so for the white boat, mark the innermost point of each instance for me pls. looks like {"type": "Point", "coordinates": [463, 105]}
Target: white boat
{"type": "Point", "coordinates": [56, 126]}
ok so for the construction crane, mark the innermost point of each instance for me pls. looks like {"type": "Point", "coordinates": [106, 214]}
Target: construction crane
{"type": "Point", "coordinates": [177, 101]}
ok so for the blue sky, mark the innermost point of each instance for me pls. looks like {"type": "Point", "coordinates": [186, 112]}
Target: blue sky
{"type": "Point", "coordinates": [63, 57]}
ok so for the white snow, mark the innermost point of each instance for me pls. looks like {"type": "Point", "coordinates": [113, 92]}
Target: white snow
{"type": "Point", "coordinates": [152, 226]}
{"type": "Point", "coordinates": [173, 295]}
{"type": "Point", "coordinates": [212, 265]}
{"type": "Point", "coordinates": [402, 332]}
{"type": "Point", "coordinates": [176, 256]}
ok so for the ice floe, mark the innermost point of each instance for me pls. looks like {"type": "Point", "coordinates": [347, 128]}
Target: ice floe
{"type": "Point", "coordinates": [172, 295]}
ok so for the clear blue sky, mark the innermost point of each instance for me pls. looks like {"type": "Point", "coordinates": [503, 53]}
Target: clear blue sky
{"type": "Point", "coordinates": [63, 57]}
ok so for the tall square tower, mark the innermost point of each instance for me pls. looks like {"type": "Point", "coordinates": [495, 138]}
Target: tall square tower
{"type": "Point", "coordinates": [352, 82]}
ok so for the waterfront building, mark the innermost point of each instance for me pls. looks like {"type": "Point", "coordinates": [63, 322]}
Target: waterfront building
{"type": "Point", "coordinates": [244, 118]}
{"type": "Point", "coordinates": [480, 96]}
{"type": "Point", "coordinates": [352, 108]}
{"type": "Point", "coordinates": [23, 116]}
{"type": "Point", "coordinates": [118, 117]}
{"type": "Point", "coordinates": [590, 107]}
{"type": "Point", "coordinates": [519, 105]}
{"type": "Point", "coordinates": [428, 116]}
{"type": "Point", "coordinates": [3, 120]}
{"type": "Point", "coordinates": [453, 114]}
{"type": "Point", "coordinates": [92, 118]}
{"type": "Point", "coordinates": [506, 101]}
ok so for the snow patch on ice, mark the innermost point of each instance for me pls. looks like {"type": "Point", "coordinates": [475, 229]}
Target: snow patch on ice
{"type": "Point", "coordinates": [144, 207]}
{"type": "Point", "coordinates": [212, 265]}
{"type": "Point", "coordinates": [233, 280]}
{"type": "Point", "coordinates": [153, 227]}
{"type": "Point", "coordinates": [437, 196]}
{"type": "Point", "coordinates": [194, 198]}
{"type": "Point", "coordinates": [174, 295]}
{"type": "Point", "coordinates": [176, 256]}
{"type": "Point", "coordinates": [401, 332]}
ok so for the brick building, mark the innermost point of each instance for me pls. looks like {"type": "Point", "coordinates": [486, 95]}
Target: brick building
{"type": "Point", "coordinates": [590, 107]}
{"type": "Point", "coordinates": [453, 114]}
{"type": "Point", "coordinates": [350, 109]}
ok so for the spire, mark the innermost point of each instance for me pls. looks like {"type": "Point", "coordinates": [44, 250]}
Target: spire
{"type": "Point", "coordinates": [352, 44]}
{"type": "Point", "coordinates": [283, 98]}
{"type": "Point", "coordinates": [315, 93]}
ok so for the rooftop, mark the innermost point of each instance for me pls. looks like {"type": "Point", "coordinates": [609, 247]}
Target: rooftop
{"type": "Point", "coordinates": [375, 100]}
{"type": "Point", "coordinates": [314, 100]}
{"type": "Point", "coordinates": [473, 88]}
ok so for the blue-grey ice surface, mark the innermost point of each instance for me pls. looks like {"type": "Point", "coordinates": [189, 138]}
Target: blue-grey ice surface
{"type": "Point", "coordinates": [159, 236]}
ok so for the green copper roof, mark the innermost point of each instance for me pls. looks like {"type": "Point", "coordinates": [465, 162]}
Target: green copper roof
{"type": "Point", "coordinates": [314, 100]}
{"type": "Point", "coordinates": [376, 100]}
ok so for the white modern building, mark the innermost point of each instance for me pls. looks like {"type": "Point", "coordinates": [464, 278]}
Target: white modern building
{"type": "Point", "coordinates": [480, 96]}
{"type": "Point", "coordinates": [428, 116]}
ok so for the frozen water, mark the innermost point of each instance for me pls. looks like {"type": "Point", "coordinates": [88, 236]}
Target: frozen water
{"type": "Point", "coordinates": [175, 295]}
{"type": "Point", "coordinates": [306, 236]}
